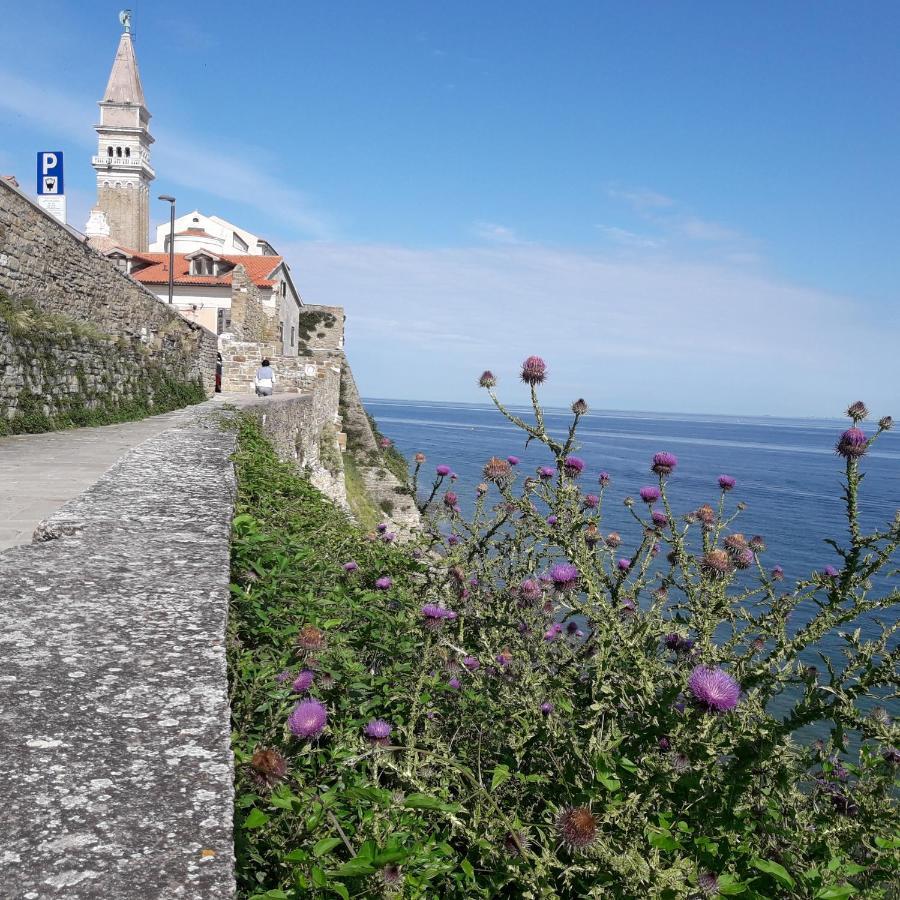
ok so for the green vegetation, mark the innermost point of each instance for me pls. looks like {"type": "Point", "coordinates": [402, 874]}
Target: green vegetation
{"type": "Point", "coordinates": [360, 504]}
{"type": "Point", "coordinates": [38, 339]}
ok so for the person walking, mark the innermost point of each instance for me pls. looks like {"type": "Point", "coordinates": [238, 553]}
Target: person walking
{"type": "Point", "coordinates": [265, 379]}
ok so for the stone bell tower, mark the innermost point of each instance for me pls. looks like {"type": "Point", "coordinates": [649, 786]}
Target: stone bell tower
{"type": "Point", "coordinates": [122, 162]}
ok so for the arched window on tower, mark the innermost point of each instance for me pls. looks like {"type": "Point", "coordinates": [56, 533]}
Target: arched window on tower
{"type": "Point", "coordinates": [128, 151]}
{"type": "Point", "coordinates": [118, 151]}
{"type": "Point", "coordinates": [109, 151]}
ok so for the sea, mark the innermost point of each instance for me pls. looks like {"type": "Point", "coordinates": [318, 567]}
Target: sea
{"type": "Point", "coordinates": [786, 473]}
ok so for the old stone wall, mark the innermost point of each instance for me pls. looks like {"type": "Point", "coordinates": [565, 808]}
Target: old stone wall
{"type": "Point", "coordinates": [321, 330]}
{"type": "Point", "coordinates": [49, 265]}
{"type": "Point", "coordinates": [250, 319]}
{"type": "Point", "coordinates": [304, 429]}
{"type": "Point", "coordinates": [57, 375]}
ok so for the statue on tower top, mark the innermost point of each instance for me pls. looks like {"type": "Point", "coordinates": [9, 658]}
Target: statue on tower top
{"type": "Point", "coordinates": [125, 19]}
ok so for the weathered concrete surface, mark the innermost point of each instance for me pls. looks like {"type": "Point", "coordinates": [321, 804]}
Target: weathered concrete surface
{"type": "Point", "coordinates": [114, 718]}
{"type": "Point", "coordinates": [40, 472]}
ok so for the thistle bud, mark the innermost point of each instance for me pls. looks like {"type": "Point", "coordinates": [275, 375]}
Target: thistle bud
{"type": "Point", "coordinates": [487, 379]}
{"type": "Point", "coordinates": [886, 423]}
{"type": "Point", "coordinates": [579, 407]}
{"type": "Point", "coordinates": [857, 411]}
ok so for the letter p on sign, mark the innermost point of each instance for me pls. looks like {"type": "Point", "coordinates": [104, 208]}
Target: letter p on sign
{"type": "Point", "coordinates": [50, 172]}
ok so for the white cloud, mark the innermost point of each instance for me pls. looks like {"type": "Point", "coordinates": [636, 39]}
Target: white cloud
{"type": "Point", "coordinates": [703, 230]}
{"type": "Point", "coordinates": [498, 234]}
{"type": "Point", "coordinates": [628, 238]}
{"type": "Point", "coordinates": [641, 198]}
{"type": "Point", "coordinates": [647, 333]}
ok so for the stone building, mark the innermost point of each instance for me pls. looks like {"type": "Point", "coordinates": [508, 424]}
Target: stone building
{"type": "Point", "coordinates": [122, 162]}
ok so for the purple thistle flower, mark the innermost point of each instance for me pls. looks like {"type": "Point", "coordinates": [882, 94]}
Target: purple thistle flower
{"type": "Point", "coordinates": [546, 472]}
{"type": "Point", "coordinates": [308, 719]}
{"type": "Point", "coordinates": [513, 460]}
{"type": "Point", "coordinates": [714, 689]}
{"type": "Point", "coordinates": [471, 663]}
{"type": "Point", "coordinates": [350, 566]}
{"type": "Point", "coordinates": [604, 479]}
{"type": "Point", "coordinates": [831, 572]}
{"type": "Point", "coordinates": [435, 615]}
{"type": "Point", "coordinates": [891, 755]}
{"type": "Point", "coordinates": [454, 683]}
{"type": "Point", "coordinates": [504, 658]}
{"type": "Point", "coordinates": [388, 537]}
{"type": "Point", "coordinates": [564, 576]}
{"type": "Point", "coordinates": [857, 411]}
{"type": "Point", "coordinates": [386, 442]}
{"type": "Point", "coordinates": [453, 539]}
{"type": "Point", "coordinates": [664, 463]}
{"type": "Point", "coordinates": [553, 632]}
{"type": "Point", "coordinates": [708, 883]}
{"type": "Point", "coordinates": [778, 573]}
{"type": "Point", "coordinates": [546, 708]}
{"type": "Point", "coordinates": [726, 482]}
{"type": "Point", "coordinates": [385, 583]}
{"type": "Point", "coordinates": [442, 470]}
{"type": "Point", "coordinates": [757, 543]}
{"type": "Point", "coordinates": [381, 528]}
{"type": "Point", "coordinates": [534, 370]}
{"type": "Point", "coordinates": [530, 590]}
{"type": "Point", "coordinates": [649, 494]}
{"type": "Point", "coordinates": [552, 520]}
{"type": "Point", "coordinates": [590, 501]}
{"type": "Point", "coordinates": [573, 466]}
{"type": "Point", "coordinates": [487, 379]}
{"type": "Point", "coordinates": [659, 518]}
{"type": "Point", "coordinates": [283, 675]}
{"type": "Point", "coordinates": [624, 564]}
{"type": "Point", "coordinates": [378, 730]}
{"type": "Point", "coordinates": [664, 744]}
{"type": "Point", "coordinates": [450, 499]}
{"type": "Point", "coordinates": [303, 682]}
{"type": "Point", "coordinates": [852, 443]}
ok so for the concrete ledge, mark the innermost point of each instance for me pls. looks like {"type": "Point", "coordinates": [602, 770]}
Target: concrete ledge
{"type": "Point", "coordinates": [114, 718]}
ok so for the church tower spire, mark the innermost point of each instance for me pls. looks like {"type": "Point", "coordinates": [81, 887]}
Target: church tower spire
{"type": "Point", "coordinates": [122, 162]}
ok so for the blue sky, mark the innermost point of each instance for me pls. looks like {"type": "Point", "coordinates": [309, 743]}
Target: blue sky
{"type": "Point", "coordinates": [683, 206]}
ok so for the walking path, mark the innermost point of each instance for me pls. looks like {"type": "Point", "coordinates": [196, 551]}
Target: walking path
{"type": "Point", "coordinates": [40, 472]}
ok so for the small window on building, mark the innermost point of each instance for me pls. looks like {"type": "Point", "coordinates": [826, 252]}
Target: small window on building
{"type": "Point", "coordinates": [223, 320]}
{"type": "Point", "coordinates": [118, 151]}
{"type": "Point", "coordinates": [238, 242]}
{"type": "Point", "coordinates": [128, 151]}
{"type": "Point", "coordinates": [109, 151]}
{"type": "Point", "coordinates": [284, 289]}
{"type": "Point", "coordinates": [292, 335]}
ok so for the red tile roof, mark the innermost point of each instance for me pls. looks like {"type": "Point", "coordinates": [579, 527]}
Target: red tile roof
{"type": "Point", "coordinates": [259, 268]}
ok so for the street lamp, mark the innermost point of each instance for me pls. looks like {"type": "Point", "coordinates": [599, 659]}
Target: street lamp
{"type": "Point", "coordinates": [171, 200]}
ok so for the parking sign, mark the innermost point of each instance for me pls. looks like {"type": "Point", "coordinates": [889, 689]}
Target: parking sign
{"type": "Point", "coordinates": [50, 173]}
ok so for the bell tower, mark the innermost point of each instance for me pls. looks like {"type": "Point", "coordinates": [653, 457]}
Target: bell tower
{"type": "Point", "coordinates": [122, 162]}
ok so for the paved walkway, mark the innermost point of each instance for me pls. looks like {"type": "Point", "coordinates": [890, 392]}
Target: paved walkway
{"type": "Point", "coordinates": [40, 472]}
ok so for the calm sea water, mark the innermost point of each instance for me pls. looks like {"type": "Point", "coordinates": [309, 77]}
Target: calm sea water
{"type": "Point", "coordinates": [786, 469]}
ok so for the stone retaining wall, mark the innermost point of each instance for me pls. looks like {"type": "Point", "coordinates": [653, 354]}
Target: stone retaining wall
{"type": "Point", "coordinates": [49, 265]}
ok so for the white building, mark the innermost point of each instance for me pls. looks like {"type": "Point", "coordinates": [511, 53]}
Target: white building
{"type": "Point", "coordinates": [196, 231]}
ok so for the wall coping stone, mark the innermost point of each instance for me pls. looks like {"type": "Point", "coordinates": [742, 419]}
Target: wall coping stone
{"type": "Point", "coordinates": [115, 724]}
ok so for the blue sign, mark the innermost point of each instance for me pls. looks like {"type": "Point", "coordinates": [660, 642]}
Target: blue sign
{"type": "Point", "coordinates": [50, 172]}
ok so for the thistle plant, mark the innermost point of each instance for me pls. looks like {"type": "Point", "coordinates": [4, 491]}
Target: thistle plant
{"type": "Point", "coordinates": [542, 708]}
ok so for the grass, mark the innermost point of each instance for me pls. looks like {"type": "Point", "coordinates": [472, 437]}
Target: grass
{"type": "Point", "coordinates": [360, 505]}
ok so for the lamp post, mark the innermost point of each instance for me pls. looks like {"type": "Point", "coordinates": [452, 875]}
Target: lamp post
{"type": "Point", "coordinates": [171, 201]}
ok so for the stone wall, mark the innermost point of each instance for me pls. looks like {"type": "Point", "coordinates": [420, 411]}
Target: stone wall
{"type": "Point", "coordinates": [321, 329]}
{"type": "Point", "coordinates": [250, 320]}
{"type": "Point", "coordinates": [54, 374]}
{"type": "Point", "coordinates": [48, 264]}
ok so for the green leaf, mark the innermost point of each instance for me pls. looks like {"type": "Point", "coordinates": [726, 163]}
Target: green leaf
{"type": "Point", "coordinates": [354, 867]}
{"type": "Point", "coordinates": [466, 866]}
{"type": "Point", "coordinates": [627, 764]}
{"type": "Point", "coordinates": [326, 845]}
{"type": "Point", "coordinates": [663, 840]}
{"type": "Point", "coordinates": [319, 877]}
{"type": "Point", "coordinates": [424, 801]}
{"type": "Point", "coordinates": [340, 890]}
{"type": "Point", "coordinates": [295, 856]}
{"type": "Point", "coordinates": [776, 870]}
{"type": "Point", "coordinates": [501, 774]}
{"type": "Point", "coordinates": [835, 892]}
{"type": "Point", "coordinates": [609, 781]}
{"type": "Point", "coordinates": [256, 819]}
